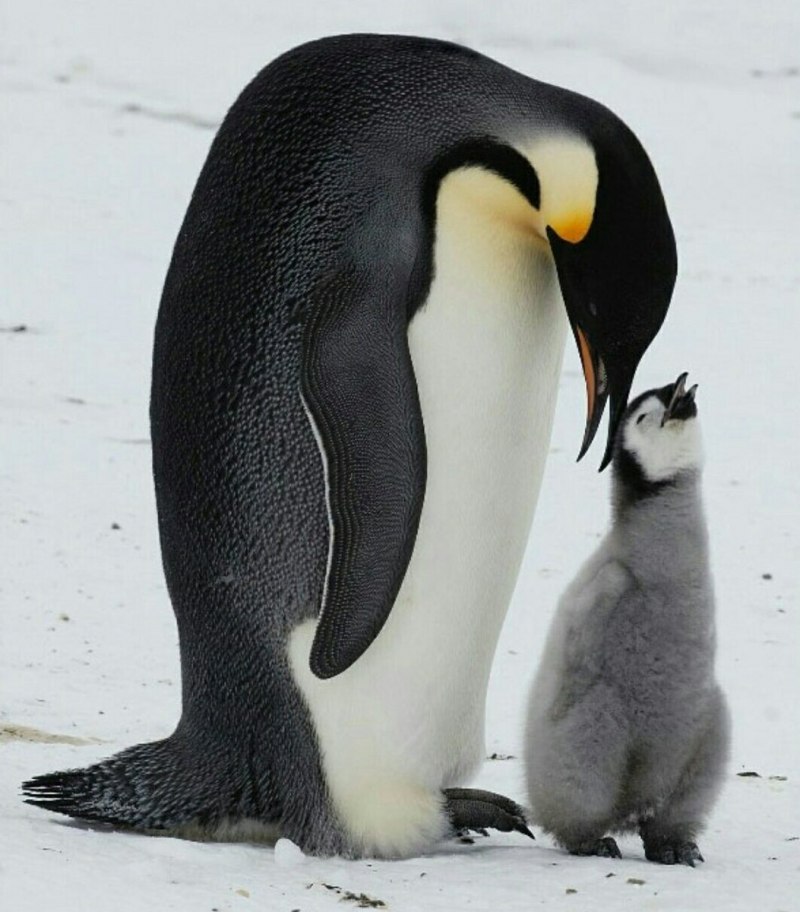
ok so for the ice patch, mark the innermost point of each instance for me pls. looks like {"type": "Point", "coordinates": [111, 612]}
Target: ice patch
{"type": "Point", "coordinates": [287, 854]}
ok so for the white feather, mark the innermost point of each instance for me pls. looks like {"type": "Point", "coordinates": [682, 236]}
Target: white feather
{"type": "Point", "coordinates": [407, 719]}
{"type": "Point", "coordinates": [326, 477]}
{"type": "Point", "coordinates": [662, 452]}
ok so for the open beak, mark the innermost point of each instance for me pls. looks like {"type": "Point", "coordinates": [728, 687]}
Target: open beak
{"type": "Point", "coordinates": [681, 403]}
{"type": "Point", "coordinates": [603, 383]}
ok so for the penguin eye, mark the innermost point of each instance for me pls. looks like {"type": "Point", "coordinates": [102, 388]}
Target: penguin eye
{"type": "Point", "coordinates": [641, 418]}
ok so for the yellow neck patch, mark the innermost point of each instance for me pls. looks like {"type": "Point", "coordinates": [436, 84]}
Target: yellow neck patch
{"type": "Point", "coordinates": [573, 226]}
{"type": "Point", "coordinates": [567, 172]}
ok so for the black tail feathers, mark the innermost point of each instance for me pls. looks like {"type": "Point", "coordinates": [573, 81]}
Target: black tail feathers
{"type": "Point", "coordinates": [148, 787]}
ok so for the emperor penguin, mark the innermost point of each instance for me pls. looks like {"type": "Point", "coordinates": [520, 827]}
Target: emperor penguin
{"type": "Point", "coordinates": [627, 726]}
{"type": "Point", "coordinates": [356, 362]}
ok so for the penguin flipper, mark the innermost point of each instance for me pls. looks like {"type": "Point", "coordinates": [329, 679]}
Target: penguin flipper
{"type": "Point", "coordinates": [360, 390]}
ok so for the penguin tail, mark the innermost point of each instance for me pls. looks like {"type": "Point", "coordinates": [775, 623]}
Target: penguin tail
{"type": "Point", "coordinates": [146, 787]}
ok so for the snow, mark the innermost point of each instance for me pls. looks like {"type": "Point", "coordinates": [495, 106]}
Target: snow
{"type": "Point", "coordinates": [287, 854]}
{"type": "Point", "coordinates": [108, 114]}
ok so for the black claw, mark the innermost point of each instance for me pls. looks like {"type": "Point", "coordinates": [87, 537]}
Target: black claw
{"type": "Point", "coordinates": [668, 853]}
{"type": "Point", "coordinates": [604, 848]}
{"type": "Point", "coordinates": [476, 810]}
{"type": "Point", "coordinates": [522, 828]}
{"type": "Point", "coordinates": [507, 804]}
{"type": "Point", "coordinates": [608, 848]}
{"type": "Point", "coordinates": [688, 854]}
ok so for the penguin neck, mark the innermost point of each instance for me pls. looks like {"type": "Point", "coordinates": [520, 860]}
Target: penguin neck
{"type": "Point", "coordinates": [663, 528]}
{"type": "Point", "coordinates": [548, 181]}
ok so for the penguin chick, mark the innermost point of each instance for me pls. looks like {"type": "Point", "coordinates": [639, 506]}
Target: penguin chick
{"type": "Point", "coordinates": [627, 728]}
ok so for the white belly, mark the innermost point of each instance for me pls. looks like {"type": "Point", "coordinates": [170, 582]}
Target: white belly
{"type": "Point", "coordinates": [407, 718]}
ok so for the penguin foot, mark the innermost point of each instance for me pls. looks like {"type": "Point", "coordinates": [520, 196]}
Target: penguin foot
{"type": "Point", "coordinates": [468, 836]}
{"type": "Point", "coordinates": [604, 848]}
{"type": "Point", "coordinates": [671, 853]}
{"type": "Point", "coordinates": [476, 810]}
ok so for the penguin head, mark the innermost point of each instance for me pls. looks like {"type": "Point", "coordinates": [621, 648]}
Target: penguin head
{"type": "Point", "coordinates": [596, 201]}
{"type": "Point", "coordinates": [616, 279]}
{"type": "Point", "coordinates": [658, 439]}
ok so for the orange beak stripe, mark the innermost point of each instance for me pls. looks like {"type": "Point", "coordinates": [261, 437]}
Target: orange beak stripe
{"type": "Point", "coordinates": [588, 371]}
{"type": "Point", "coordinates": [574, 227]}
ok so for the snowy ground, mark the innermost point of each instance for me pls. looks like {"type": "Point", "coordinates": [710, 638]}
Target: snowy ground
{"type": "Point", "coordinates": [108, 110]}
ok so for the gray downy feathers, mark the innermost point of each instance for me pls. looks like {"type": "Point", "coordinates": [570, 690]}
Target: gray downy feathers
{"type": "Point", "coordinates": [627, 728]}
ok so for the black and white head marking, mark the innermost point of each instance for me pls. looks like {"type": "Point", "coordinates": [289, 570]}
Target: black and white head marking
{"type": "Point", "coordinates": [659, 439]}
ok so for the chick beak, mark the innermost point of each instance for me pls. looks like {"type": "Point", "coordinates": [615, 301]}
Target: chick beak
{"type": "Point", "coordinates": [680, 397]}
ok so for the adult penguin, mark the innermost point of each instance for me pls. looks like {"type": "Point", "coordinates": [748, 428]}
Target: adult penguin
{"type": "Point", "coordinates": [355, 369]}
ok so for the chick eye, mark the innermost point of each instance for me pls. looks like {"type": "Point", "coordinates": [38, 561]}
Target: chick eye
{"type": "Point", "coordinates": [641, 418]}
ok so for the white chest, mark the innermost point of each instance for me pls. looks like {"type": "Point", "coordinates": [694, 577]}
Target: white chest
{"type": "Point", "coordinates": [486, 350]}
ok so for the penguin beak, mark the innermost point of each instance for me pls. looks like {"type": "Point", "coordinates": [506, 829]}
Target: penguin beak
{"type": "Point", "coordinates": [681, 404]}
{"type": "Point", "coordinates": [604, 382]}
{"type": "Point", "coordinates": [619, 402]}
{"type": "Point", "coordinates": [594, 374]}
{"type": "Point", "coordinates": [599, 389]}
